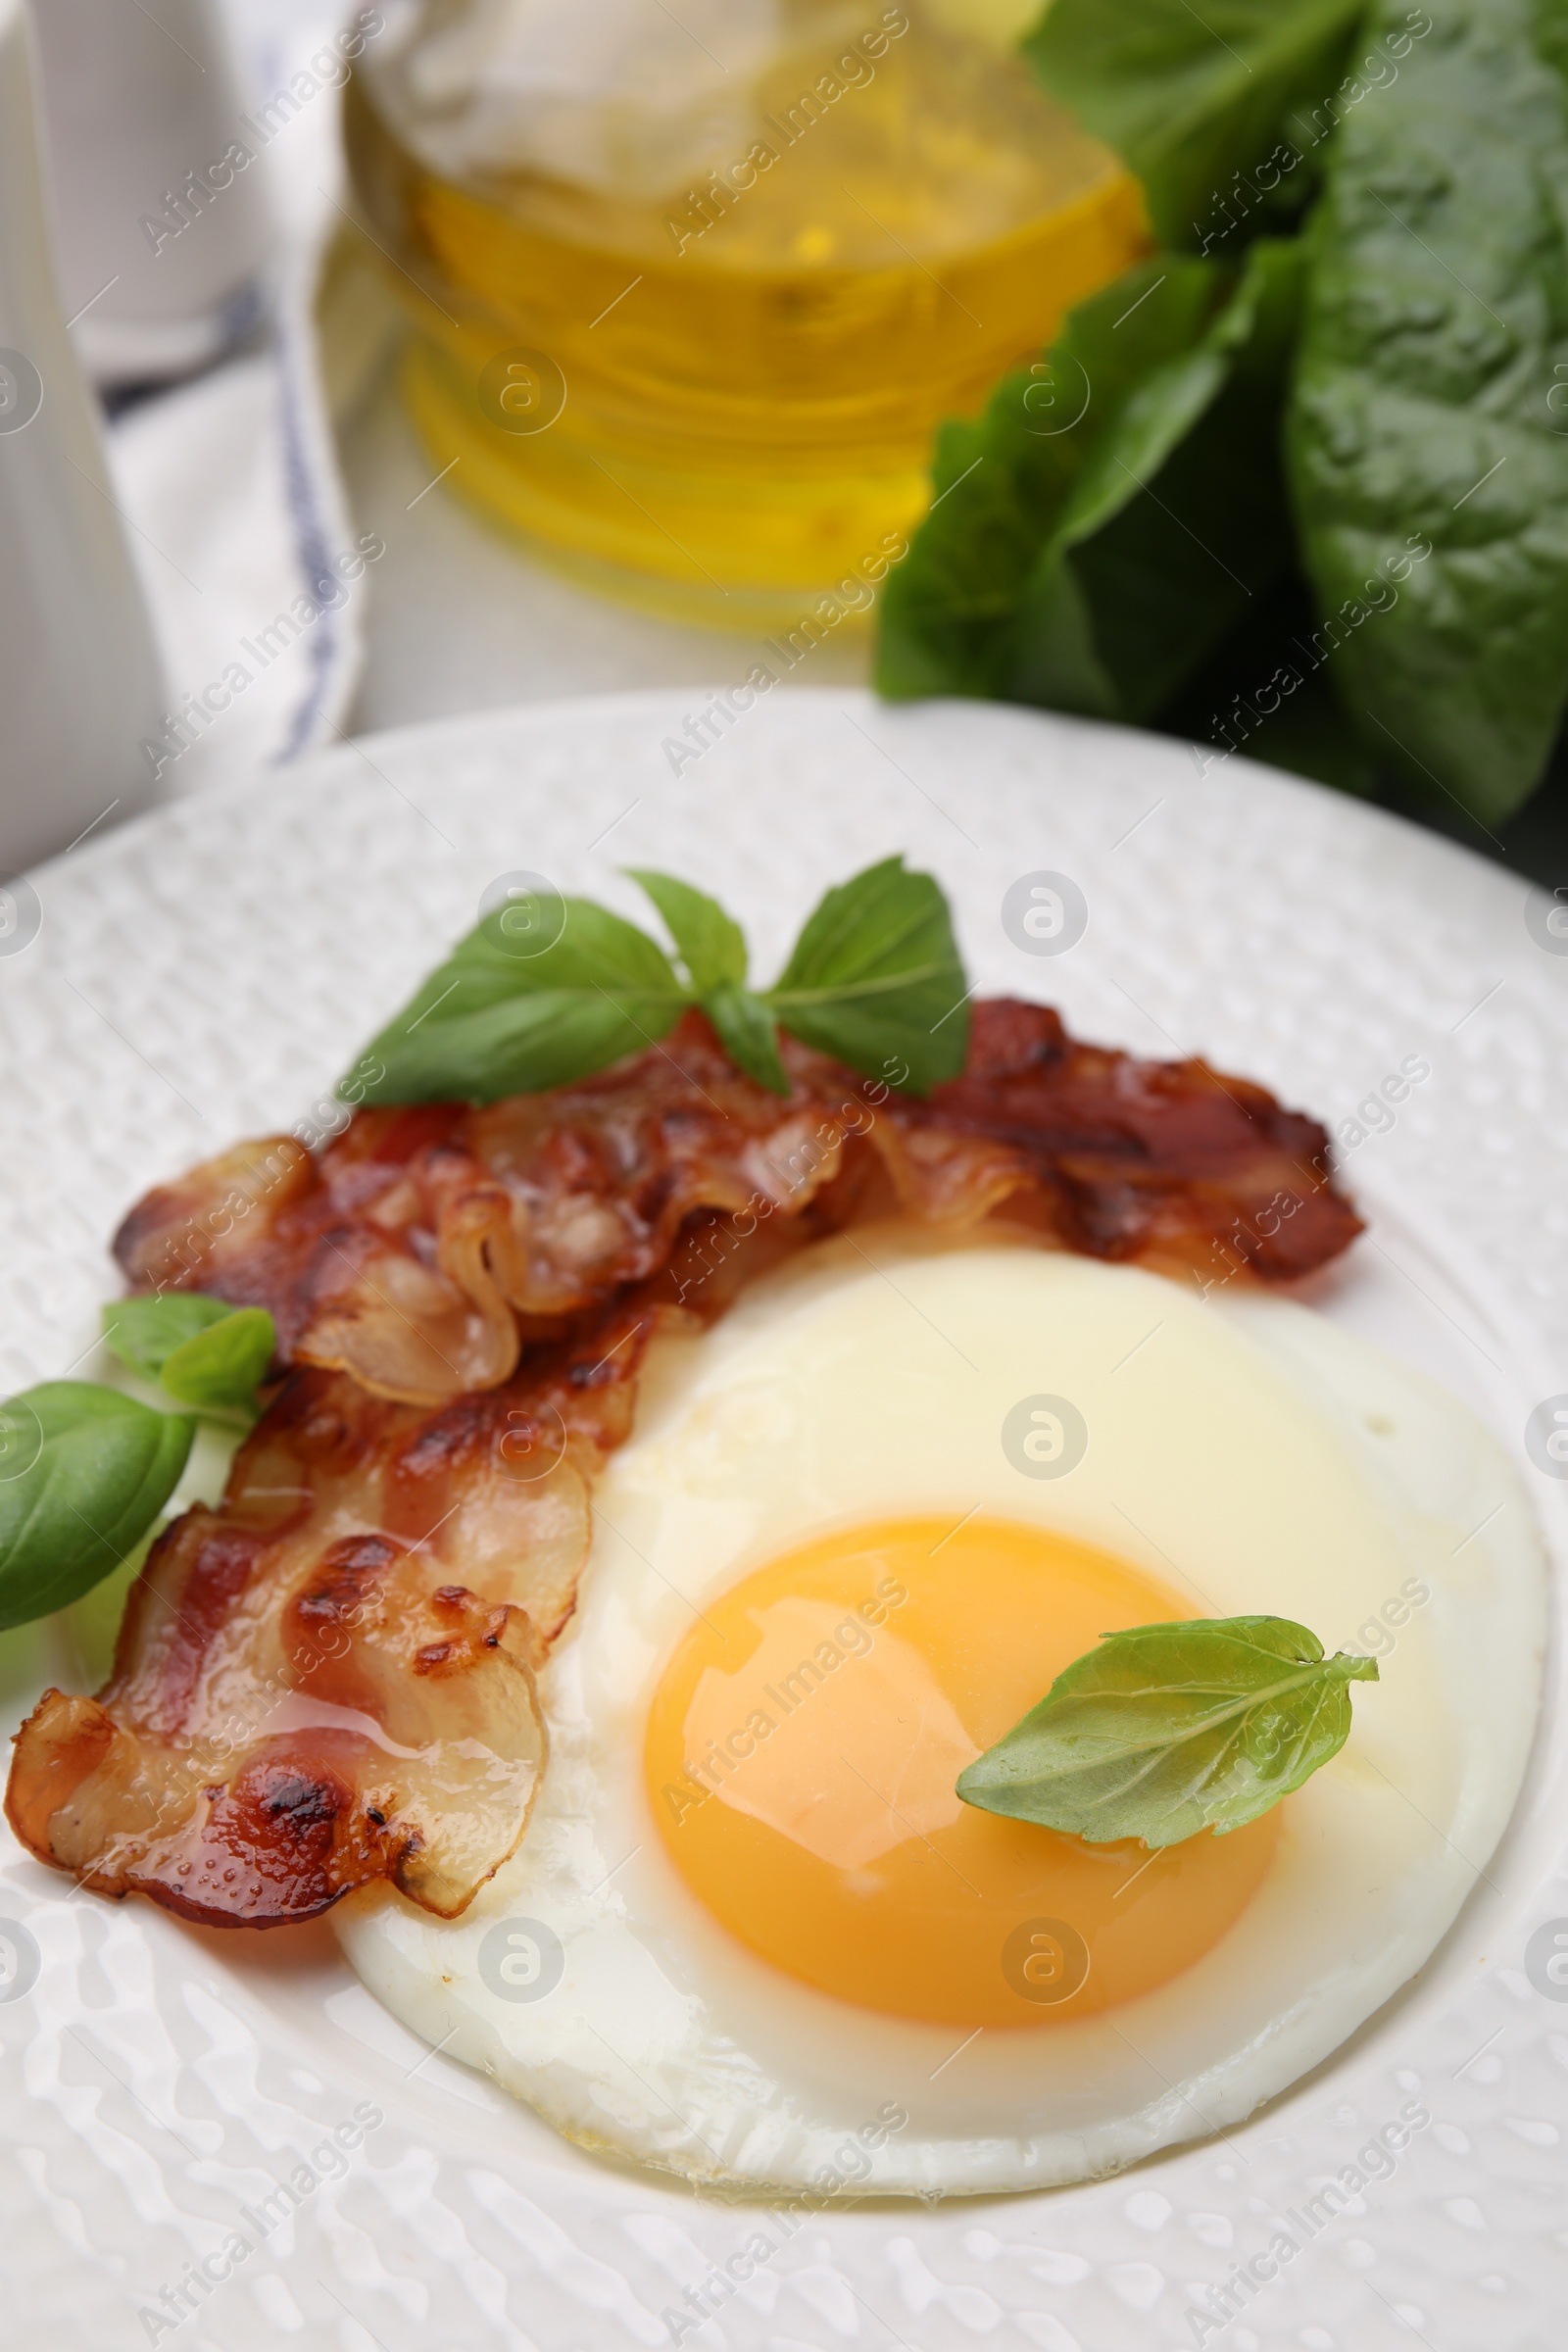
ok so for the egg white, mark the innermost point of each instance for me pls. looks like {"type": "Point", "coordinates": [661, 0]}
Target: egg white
{"type": "Point", "coordinates": [1246, 1453]}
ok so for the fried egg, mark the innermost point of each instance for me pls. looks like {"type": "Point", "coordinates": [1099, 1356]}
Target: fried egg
{"type": "Point", "coordinates": [753, 1936]}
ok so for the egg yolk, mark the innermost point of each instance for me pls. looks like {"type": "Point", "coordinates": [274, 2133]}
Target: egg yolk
{"type": "Point", "coordinates": [802, 1751]}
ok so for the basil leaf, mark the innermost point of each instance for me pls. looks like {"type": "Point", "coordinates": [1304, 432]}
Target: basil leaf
{"type": "Point", "coordinates": [144, 1333]}
{"type": "Point", "coordinates": [518, 1048]}
{"type": "Point", "coordinates": [496, 1019]}
{"type": "Point", "coordinates": [713, 947]}
{"type": "Point", "coordinates": [1192, 99]}
{"type": "Point", "coordinates": [1166, 1730]}
{"type": "Point", "coordinates": [747, 1034]}
{"type": "Point", "coordinates": [1099, 566]}
{"type": "Point", "coordinates": [83, 1474]}
{"type": "Point", "coordinates": [712, 944]}
{"type": "Point", "coordinates": [204, 1352]}
{"type": "Point", "coordinates": [875, 980]}
{"type": "Point", "coordinates": [592, 948]}
{"type": "Point", "coordinates": [1425, 405]}
{"type": "Point", "coordinates": [224, 1364]}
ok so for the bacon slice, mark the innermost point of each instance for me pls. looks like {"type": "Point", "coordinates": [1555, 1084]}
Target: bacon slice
{"type": "Point", "coordinates": [425, 1247]}
{"type": "Point", "coordinates": [328, 1680]}
{"type": "Point", "coordinates": [422, 1247]}
{"type": "Point", "coordinates": [1169, 1165]}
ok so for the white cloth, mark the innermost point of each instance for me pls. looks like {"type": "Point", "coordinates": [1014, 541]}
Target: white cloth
{"type": "Point", "coordinates": [231, 484]}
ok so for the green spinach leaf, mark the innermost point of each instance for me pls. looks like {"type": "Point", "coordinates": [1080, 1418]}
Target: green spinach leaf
{"type": "Point", "coordinates": [1094, 564]}
{"type": "Point", "coordinates": [1166, 1730]}
{"type": "Point", "coordinates": [1432, 377]}
{"type": "Point", "coordinates": [1198, 102]}
{"type": "Point", "coordinates": [83, 1474]}
{"type": "Point", "coordinates": [1267, 693]}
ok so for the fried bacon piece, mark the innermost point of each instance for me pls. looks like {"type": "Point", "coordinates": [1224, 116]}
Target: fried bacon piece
{"type": "Point", "coordinates": [423, 1248]}
{"type": "Point", "coordinates": [328, 1680]}
{"type": "Point", "coordinates": [1169, 1165]}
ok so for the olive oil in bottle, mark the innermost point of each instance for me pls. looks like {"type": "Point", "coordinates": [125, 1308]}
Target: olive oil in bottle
{"type": "Point", "coordinates": [706, 377]}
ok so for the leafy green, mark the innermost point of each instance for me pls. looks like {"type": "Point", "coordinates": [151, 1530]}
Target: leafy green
{"type": "Point", "coordinates": [224, 1364]}
{"type": "Point", "coordinates": [518, 1047]}
{"type": "Point", "coordinates": [144, 1333]}
{"type": "Point", "coordinates": [1166, 1730]}
{"type": "Point", "coordinates": [83, 1474]}
{"type": "Point", "coordinates": [876, 978]}
{"type": "Point", "coordinates": [711, 943]}
{"type": "Point", "coordinates": [1095, 566]}
{"type": "Point", "coordinates": [1434, 339]}
{"type": "Point", "coordinates": [205, 1352]}
{"type": "Point", "coordinates": [747, 1034]}
{"type": "Point", "coordinates": [1194, 99]}
{"type": "Point", "coordinates": [1267, 693]}
{"type": "Point", "coordinates": [491, 1022]}
{"type": "Point", "coordinates": [1318, 513]}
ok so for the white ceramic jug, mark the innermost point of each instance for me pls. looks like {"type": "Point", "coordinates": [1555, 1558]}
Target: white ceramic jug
{"type": "Point", "coordinates": [160, 240]}
{"type": "Point", "coordinates": [80, 683]}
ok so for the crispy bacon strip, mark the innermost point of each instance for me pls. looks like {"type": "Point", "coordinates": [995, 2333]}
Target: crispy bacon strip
{"type": "Point", "coordinates": [1167, 1164]}
{"type": "Point", "coordinates": [328, 1680]}
{"type": "Point", "coordinates": [423, 1248]}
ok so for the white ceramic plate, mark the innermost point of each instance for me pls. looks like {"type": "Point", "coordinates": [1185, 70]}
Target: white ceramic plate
{"type": "Point", "coordinates": [203, 975]}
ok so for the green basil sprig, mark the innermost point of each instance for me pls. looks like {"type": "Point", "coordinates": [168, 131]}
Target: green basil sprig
{"type": "Point", "coordinates": [1166, 1730]}
{"type": "Point", "coordinates": [84, 1474]}
{"type": "Point", "coordinates": [203, 1352]}
{"type": "Point", "coordinates": [547, 990]}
